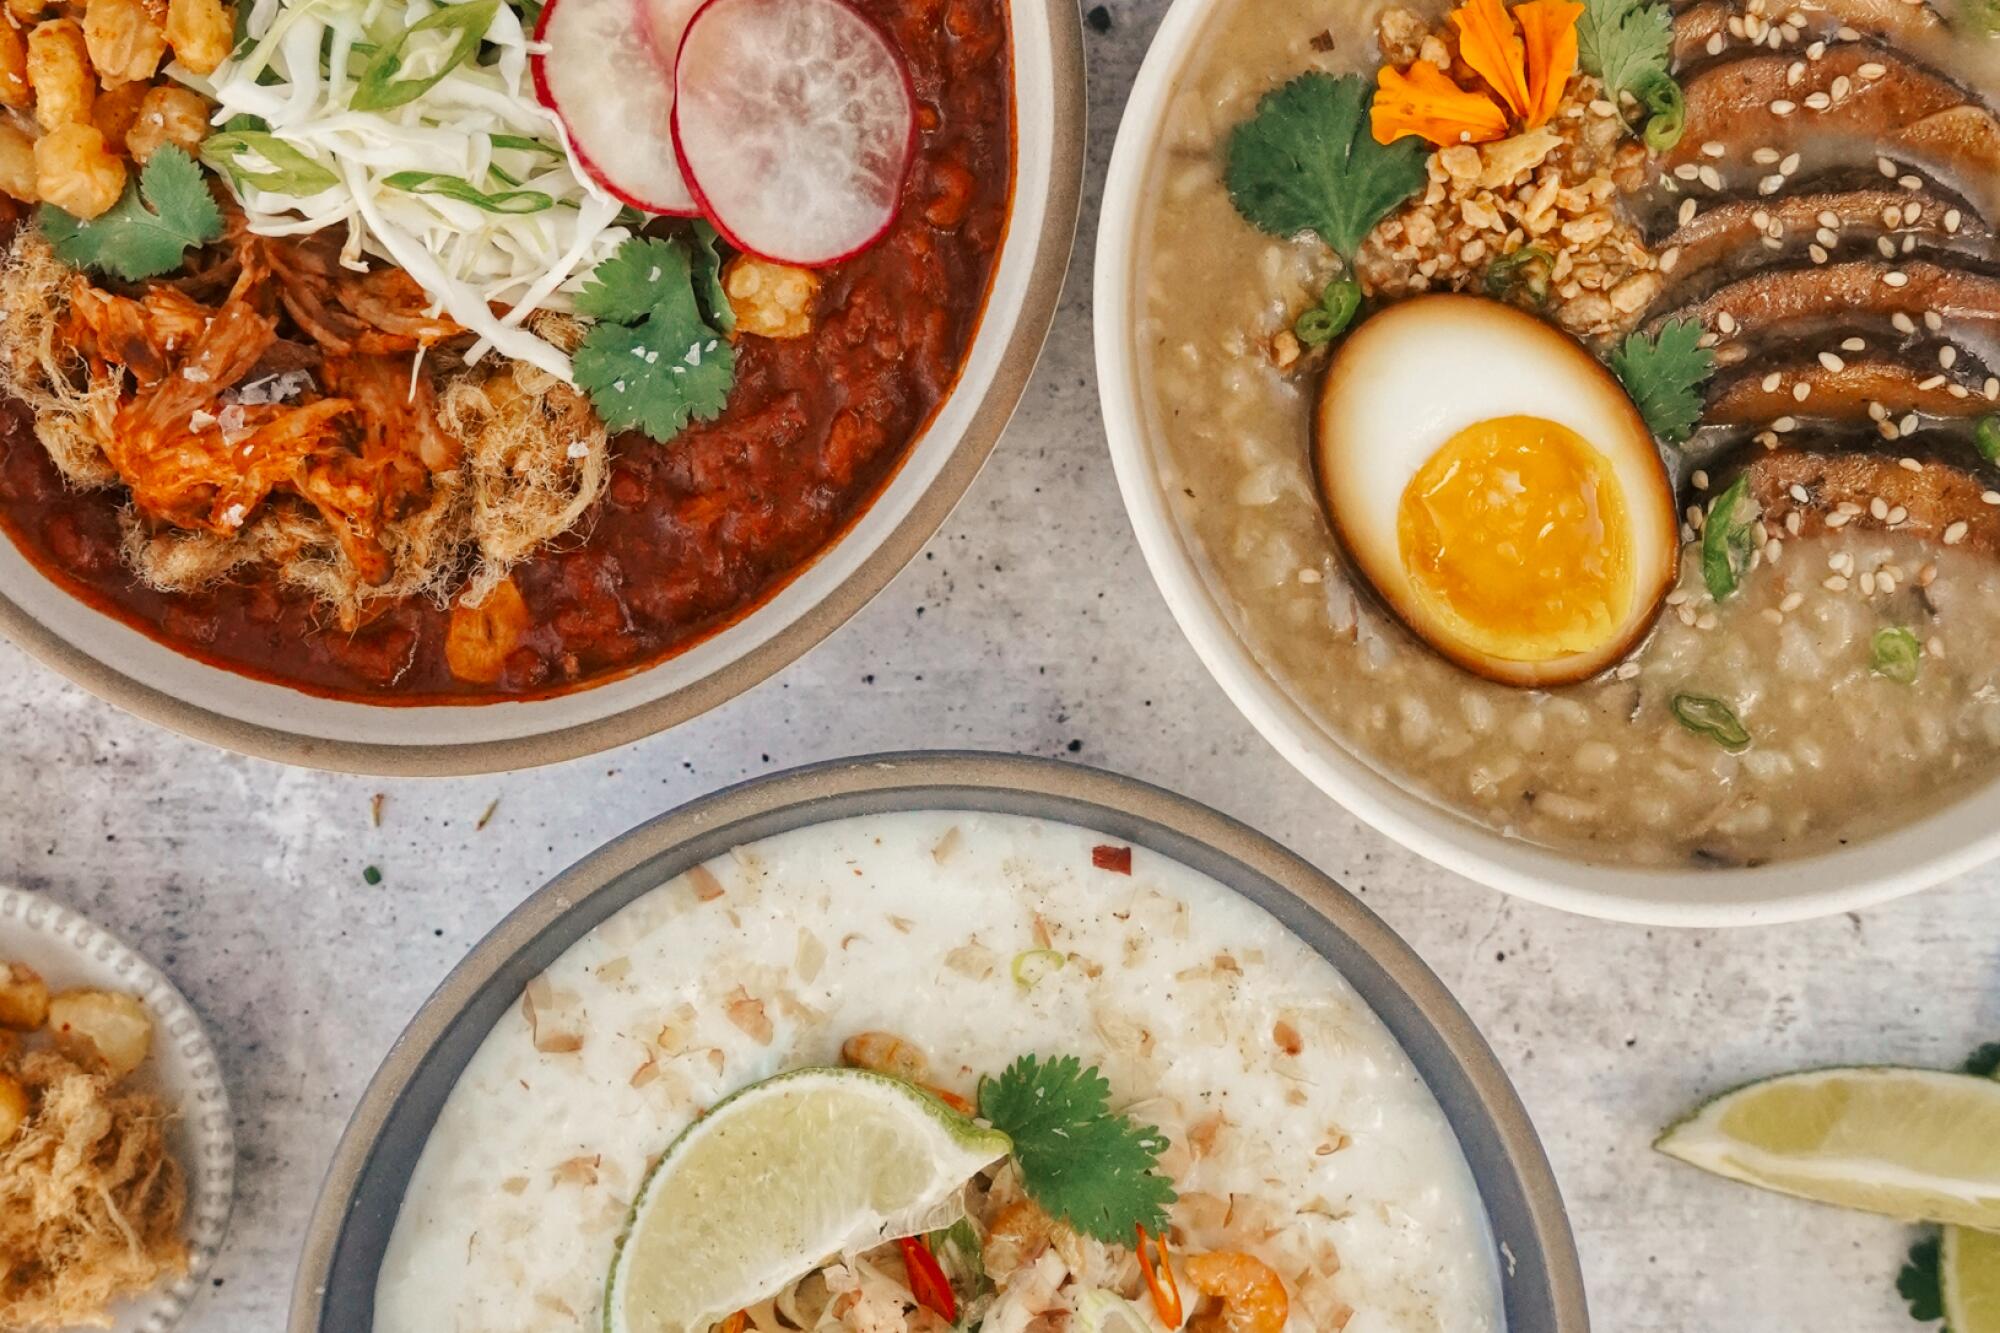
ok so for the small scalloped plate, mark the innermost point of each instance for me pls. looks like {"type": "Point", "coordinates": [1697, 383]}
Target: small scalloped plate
{"type": "Point", "coordinates": [69, 952]}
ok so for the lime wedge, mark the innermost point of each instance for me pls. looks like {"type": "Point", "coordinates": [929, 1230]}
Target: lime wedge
{"type": "Point", "coordinates": [1912, 1143]}
{"type": "Point", "coordinates": [1970, 1269]}
{"type": "Point", "coordinates": [777, 1178]}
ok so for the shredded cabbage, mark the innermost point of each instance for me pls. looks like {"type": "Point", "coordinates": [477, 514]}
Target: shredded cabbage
{"type": "Point", "coordinates": [416, 180]}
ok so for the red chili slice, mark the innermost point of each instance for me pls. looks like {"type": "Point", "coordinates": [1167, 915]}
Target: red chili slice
{"type": "Point", "coordinates": [927, 1281]}
{"type": "Point", "coordinates": [1118, 860]}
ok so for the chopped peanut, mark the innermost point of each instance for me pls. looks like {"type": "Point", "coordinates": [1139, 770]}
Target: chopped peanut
{"type": "Point", "coordinates": [770, 300]}
{"type": "Point", "coordinates": [76, 172]}
{"type": "Point", "coordinates": [59, 71]}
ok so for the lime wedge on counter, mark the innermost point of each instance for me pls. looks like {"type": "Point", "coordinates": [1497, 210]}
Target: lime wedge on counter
{"type": "Point", "coordinates": [1969, 1269]}
{"type": "Point", "coordinates": [1913, 1143]}
{"type": "Point", "coordinates": [776, 1179]}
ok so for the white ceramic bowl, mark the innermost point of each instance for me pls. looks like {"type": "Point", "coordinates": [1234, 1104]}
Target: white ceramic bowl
{"type": "Point", "coordinates": [146, 677]}
{"type": "Point", "coordinates": [1949, 840]}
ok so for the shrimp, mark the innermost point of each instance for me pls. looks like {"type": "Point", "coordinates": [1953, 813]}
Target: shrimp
{"type": "Point", "coordinates": [1252, 1296]}
{"type": "Point", "coordinates": [1020, 1233]}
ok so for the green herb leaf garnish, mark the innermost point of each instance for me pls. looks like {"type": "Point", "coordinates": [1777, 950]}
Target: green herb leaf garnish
{"type": "Point", "coordinates": [1895, 653]}
{"type": "Point", "coordinates": [1986, 438]}
{"type": "Point", "coordinates": [1921, 1283]}
{"type": "Point", "coordinates": [1710, 717]}
{"type": "Point", "coordinates": [293, 170]}
{"type": "Point", "coordinates": [1725, 538]}
{"type": "Point", "coordinates": [1664, 373]}
{"type": "Point", "coordinates": [1306, 161]}
{"type": "Point", "coordinates": [465, 192]}
{"type": "Point", "coordinates": [1628, 46]}
{"type": "Point", "coordinates": [654, 361]}
{"type": "Point", "coordinates": [380, 85]}
{"type": "Point", "coordinates": [149, 230]}
{"type": "Point", "coordinates": [1085, 1166]}
{"type": "Point", "coordinates": [1329, 319]}
{"type": "Point", "coordinates": [371, 875]}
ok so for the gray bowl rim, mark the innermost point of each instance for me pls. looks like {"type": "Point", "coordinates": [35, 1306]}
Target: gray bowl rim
{"type": "Point", "coordinates": [350, 1224]}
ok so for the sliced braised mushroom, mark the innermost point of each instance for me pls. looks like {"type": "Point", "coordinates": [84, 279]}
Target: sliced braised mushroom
{"type": "Point", "coordinates": [1859, 290]}
{"type": "Point", "coordinates": [1849, 388]}
{"type": "Point", "coordinates": [1932, 500]}
{"type": "Point", "coordinates": [1696, 26]}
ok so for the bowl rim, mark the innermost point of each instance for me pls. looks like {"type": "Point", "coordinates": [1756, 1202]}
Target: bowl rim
{"type": "Point", "coordinates": [1041, 297]}
{"type": "Point", "coordinates": [1539, 1259]}
{"type": "Point", "coordinates": [1870, 871]}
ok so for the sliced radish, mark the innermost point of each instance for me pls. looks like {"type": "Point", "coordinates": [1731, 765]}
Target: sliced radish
{"type": "Point", "coordinates": [795, 123]}
{"type": "Point", "coordinates": [601, 73]}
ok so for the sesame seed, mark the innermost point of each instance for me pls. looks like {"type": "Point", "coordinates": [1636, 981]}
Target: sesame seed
{"type": "Point", "coordinates": [1896, 278]}
{"type": "Point", "coordinates": [1712, 149]}
{"type": "Point", "coordinates": [1760, 219]}
{"type": "Point", "coordinates": [1818, 101]}
{"type": "Point", "coordinates": [1955, 534]}
{"type": "Point", "coordinates": [1886, 246]}
{"type": "Point", "coordinates": [1827, 236]}
{"type": "Point", "coordinates": [1909, 245]}
{"type": "Point", "coordinates": [1887, 430]}
{"type": "Point", "coordinates": [1951, 220]}
{"type": "Point", "coordinates": [1770, 185]}
{"type": "Point", "coordinates": [1872, 70]}
{"type": "Point", "coordinates": [1853, 344]}
{"type": "Point", "coordinates": [1764, 157]}
{"type": "Point", "coordinates": [1849, 508]}
{"type": "Point", "coordinates": [1715, 44]}
{"type": "Point", "coordinates": [1908, 425]}
{"type": "Point", "coordinates": [1677, 596]}
{"type": "Point", "coordinates": [1671, 256]}
{"type": "Point", "coordinates": [1686, 615]}
{"type": "Point", "coordinates": [1773, 614]}
{"type": "Point", "coordinates": [1817, 253]}
{"type": "Point", "coordinates": [1990, 497]}
{"type": "Point", "coordinates": [1771, 381]}
{"type": "Point", "coordinates": [1687, 171]}
{"type": "Point", "coordinates": [1700, 480]}
{"type": "Point", "coordinates": [1766, 438]}
{"type": "Point", "coordinates": [1886, 167]}
{"type": "Point", "coordinates": [1785, 425]}
{"type": "Point", "coordinates": [1933, 320]}
{"type": "Point", "coordinates": [1801, 391]}
{"type": "Point", "coordinates": [1798, 493]}
{"type": "Point", "coordinates": [1876, 411]}
{"type": "Point", "coordinates": [1842, 562]}
{"type": "Point", "coordinates": [1897, 514]}
{"type": "Point", "coordinates": [1909, 464]}
{"type": "Point", "coordinates": [1930, 382]}
{"type": "Point", "coordinates": [1725, 323]}
{"type": "Point", "coordinates": [1783, 107]}
{"type": "Point", "coordinates": [1947, 356]}
{"type": "Point", "coordinates": [1832, 362]}
{"type": "Point", "coordinates": [1792, 602]}
{"type": "Point", "coordinates": [1903, 323]}
{"type": "Point", "coordinates": [1926, 575]}
{"type": "Point", "coordinates": [1878, 509]}
{"type": "Point", "coordinates": [1834, 582]}
{"type": "Point", "coordinates": [1772, 550]}
{"type": "Point", "coordinates": [1846, 34]}
{"type": "Point", "coordinates": [1958, 391]}
{"type": "Point", "coordinates": [1795, 73]}
{"type": "Point", "coordinates": [1910, 182]}
{"type": "Point", "coordinates": [1991, 389]}
{"type": "Point", "coordinates": [1711, 178]}
{"type": "Point", "coordinates": [1815, 51]}
{"type": "Point", "coordinates": [1706, 620]}
{"type": "Point", "coordinates": [1793, 522]}
{"type": "Point", "coordinates": [1840, 87]}
{"type": "Point", "coordinates": [1867, 585]}
{"type": "Point", "coordinates": [1689, 208]}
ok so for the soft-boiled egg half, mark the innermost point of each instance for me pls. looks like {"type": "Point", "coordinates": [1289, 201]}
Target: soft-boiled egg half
{"type": "Point", "coordinates": [1494, 483]}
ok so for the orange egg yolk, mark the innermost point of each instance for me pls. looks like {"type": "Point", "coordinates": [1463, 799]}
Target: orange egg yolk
{"type": "Point", "coordinates": [1516, 541]}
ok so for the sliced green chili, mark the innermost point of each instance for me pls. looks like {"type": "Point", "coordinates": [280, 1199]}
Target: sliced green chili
{"type": "Point", "coordinates": [1895, 654]}
{"type": "Point", "coordinates": [1986, 438]}
{"type": "Point", "coordinates": [1525, 273]}
{"type": "Point", "coordinates": [1666, 106]}
{"type": "Point", "coordinates": [1710, 717]}
{"type": "Point", "coordinates": [380, 86]}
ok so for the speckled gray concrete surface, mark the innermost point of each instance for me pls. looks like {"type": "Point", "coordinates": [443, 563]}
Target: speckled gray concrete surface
{"type": "Point", "coordinates": [1028, 624]}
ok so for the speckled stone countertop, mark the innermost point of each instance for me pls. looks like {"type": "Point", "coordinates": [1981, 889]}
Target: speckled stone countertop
{"type": "Point", "coordinates": [1028, 624]}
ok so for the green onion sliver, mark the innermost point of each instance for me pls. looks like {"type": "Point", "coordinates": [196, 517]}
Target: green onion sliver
{"type": "Point", "coordinates": [1986, 438]}
{"type": "Point", "coordinates": [1895, 655]}
{"type": "Point", "coordinates": [379, 86]}
{"type": "Point", "coordinates": [1031, 965]}
{"type": "Point", "coordinates": [1710, 717]}
{"type": "Point", "coordinates": [465, 192]}
{"type": "Point", "coordinates": [1725, 539]}
{"type": "Point", "coordinates": [295, 172]}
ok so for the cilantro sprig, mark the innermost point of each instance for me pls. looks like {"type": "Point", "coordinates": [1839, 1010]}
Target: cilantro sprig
{"type": "Point", "coordinates": [1306, 161]}
{"type": "Point", "coordinates": [1628, 46]}
{"type": "Point", "coordinates": [1664, 373]}
{"type": "Point", "coordinates": [149, 230]}
{"type": "Point", "coordinates": [658, 357]}
{"type": "Point", "coordinates": [1085, 1166]}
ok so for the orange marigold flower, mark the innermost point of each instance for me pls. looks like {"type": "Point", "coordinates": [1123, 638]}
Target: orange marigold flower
{"type": "Point", "coordinates": [1423, 102]}
{"type": "Point", "coordinates": [1488, 42]}
{"type": "Point", "coordinates": [1549, 27]}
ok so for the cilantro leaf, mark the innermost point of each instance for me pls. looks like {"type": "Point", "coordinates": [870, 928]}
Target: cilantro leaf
{"type": "Point", "coordinates": [1306, 161]}
{"type": "Point", "coordinates": [708, 279]}
{"type": "Point", "coordinates": [1088, 1168]}
{"type": "Point", "coordinates": [654, 361]}
{"type": "Point", "coordinates": [148, 231]}
{"type": "Point", "coordinates": [1664, 374]}
{"type": "Point", "coordinates": [1628, 46]}
{"type": "Point", "coordinates": [1985, 1062]}
{"type": "Point", "coordinates": [1920, 1283]}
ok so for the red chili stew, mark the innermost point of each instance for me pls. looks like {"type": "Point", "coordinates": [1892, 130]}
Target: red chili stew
{"type": "Point", "coordinates": [691, 535]}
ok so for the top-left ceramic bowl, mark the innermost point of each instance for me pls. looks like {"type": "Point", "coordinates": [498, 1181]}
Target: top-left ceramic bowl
{"type": "Point", "coordinates": [146, 677]}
